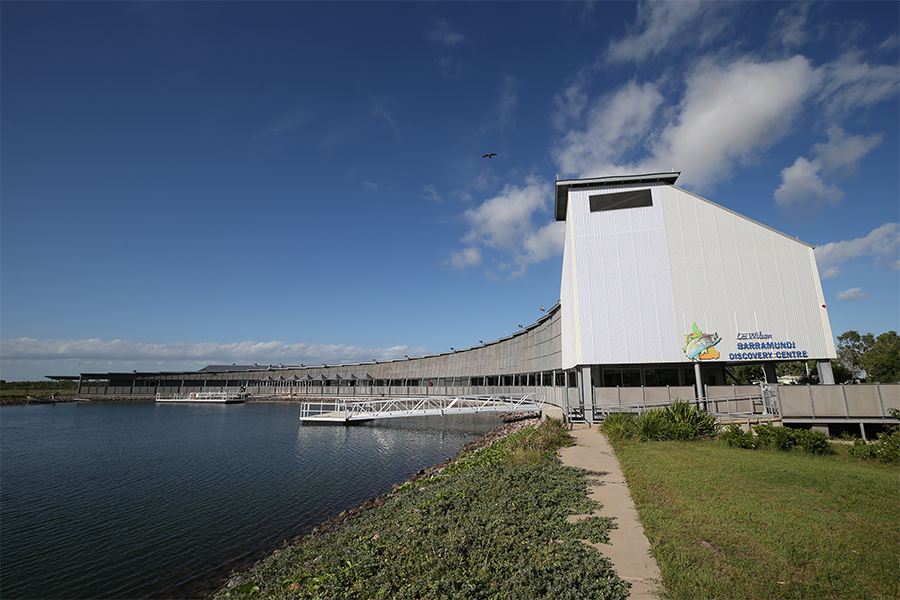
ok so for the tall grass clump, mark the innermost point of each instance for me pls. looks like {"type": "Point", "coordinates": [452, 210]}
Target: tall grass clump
{"type": "Point", "coordinates": [537, 442]}
{"type": "Point", "coordinates": [619, 426]}
{"type": "Point", "coordinates": [679, 421]}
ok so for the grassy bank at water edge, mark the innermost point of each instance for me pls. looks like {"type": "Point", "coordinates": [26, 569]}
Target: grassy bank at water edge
{"type": "Point", "coordinates": [491, 525]}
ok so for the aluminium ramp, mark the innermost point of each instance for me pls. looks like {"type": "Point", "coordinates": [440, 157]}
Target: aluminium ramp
{"type": "Point", "coordinates": [343, 411]}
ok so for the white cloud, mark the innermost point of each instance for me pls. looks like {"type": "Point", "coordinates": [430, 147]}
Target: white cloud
{"type": "Point", "coordinates": [291, 120]}
{"type": "Point", "coordinates": [803, 188]}
{"type": "Point", "coordinates": [662, 24]}
{"type": "Point", "coordinates": [451, 67]}
{"type": "Point", "coordinates": [882, 243]}
{"type": "Point", "coordinates": [842, 153]}
{"type": "Point", "coordinates": [506, 224]}
{"type": "Point", "coordinates": [546, 242]}
{"type": "Point", "coordinates": [442, 33]}
{"type": "Point", "coordinates": [501, 115]}
{"type": "Point", "coordinates": [789, 26]}
{"type": "Point", "coordinates": [851, 294]}
{"type": "Point", "coordinates": [731, 113]}
{"type": "Point", "coordinates": [467, 257]}
{"type": "Point", "coordinates": [431, 194]}
{"type": "Point", "coordinates": [890, 43]}
{"type": "Point", "coordinates": [569, 105]}
{"type": "Point", "coordinates": [378, 109]}
{"type": "Point", "coordinates": [36, 358]}
{"type": "Point", "coordinates": [728, 114]}
{"type": "Point", "coordinates": [503, 221]}
{"type": "Point", "coordinates": [616, 123]}
{"type": "Point", "coordinates": [850, 84]}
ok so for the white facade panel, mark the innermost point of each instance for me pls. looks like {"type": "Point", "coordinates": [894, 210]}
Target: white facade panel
{"type": "Point", "coordinates": [636, 280]}
{"type": "Point", "coordinates": [568, 299]}
{"type": "Point", "coordinates": [624, 294]}
{"type": "Point", "coordinates": [756, 288]}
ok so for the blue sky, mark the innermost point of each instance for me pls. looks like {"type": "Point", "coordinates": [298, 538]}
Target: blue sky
{"type": "Point", "coordinates": [195, 183]}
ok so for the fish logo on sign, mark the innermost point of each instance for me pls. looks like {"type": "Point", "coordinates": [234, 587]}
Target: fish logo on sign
{"type": "Point", "coordinates": [699, 345]}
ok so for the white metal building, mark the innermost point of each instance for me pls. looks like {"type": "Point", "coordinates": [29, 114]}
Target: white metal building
{"type": "Point", "coordinates": [658, 282]}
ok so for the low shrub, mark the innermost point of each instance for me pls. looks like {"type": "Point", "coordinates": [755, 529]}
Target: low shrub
{"type": "Point", "coordinates": [736, 437]}
{"type": "Point", "coordinates": [860, 449]}
{"type": "Point", "coordinates": [812, 442]}
{"type": "Point", "coordinates": [886, 449]}
{"type": "Point", "coordinates": [777, 438]}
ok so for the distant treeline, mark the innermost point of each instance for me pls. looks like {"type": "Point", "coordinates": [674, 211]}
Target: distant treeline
{"type": "Point", "coordinates": [36, 386]}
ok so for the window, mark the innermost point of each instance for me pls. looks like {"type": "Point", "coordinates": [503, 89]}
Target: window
{"type": "Point", "coordinates": [631, 378]}
{"type": "Point", "coordinates": [621, 200]}
{"type": "Point", "coordinates": [661, 377]}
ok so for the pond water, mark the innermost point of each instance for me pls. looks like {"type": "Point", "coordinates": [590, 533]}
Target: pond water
{"type": "Point", "coordinates": [145, 500]}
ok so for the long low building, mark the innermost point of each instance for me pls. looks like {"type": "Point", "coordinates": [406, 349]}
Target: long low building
{"type": "Point", "coordinates": [661, 292]}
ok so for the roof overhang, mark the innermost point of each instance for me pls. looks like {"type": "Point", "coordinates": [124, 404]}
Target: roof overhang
{"type": "Point", "coordinates": [564, 185]}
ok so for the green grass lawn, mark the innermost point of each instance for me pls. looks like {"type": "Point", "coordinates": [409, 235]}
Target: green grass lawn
{"type": "Point", "coordinates": [730, 523]}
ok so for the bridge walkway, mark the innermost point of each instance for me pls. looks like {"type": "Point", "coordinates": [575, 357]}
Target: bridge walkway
{"type": "Point", "coordinates": [343, 411]}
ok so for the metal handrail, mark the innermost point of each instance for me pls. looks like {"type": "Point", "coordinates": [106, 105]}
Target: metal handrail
{"type": "Point", "coordinates": [386, 408]}
{"type": "Point", "coordinates": [767, 398]}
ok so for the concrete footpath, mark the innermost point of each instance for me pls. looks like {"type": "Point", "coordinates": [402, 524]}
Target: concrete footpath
{"type": "Point", "coordinates": [629, 549]}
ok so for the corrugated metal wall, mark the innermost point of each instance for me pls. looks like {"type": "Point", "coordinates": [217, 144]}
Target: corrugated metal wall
{"type": "Point", "coordinates": [621, 274]}
{"type": "Point", "coordinates": [730, 274]}
{"type": "Point", "coordinates": [636, 280]}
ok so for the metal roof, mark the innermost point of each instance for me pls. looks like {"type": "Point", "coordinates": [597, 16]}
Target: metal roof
{"type": "Point", "coordinates": [563, 186]}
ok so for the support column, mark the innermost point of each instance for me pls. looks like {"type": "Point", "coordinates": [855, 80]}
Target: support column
{"type": "Point", "coordinates": [771, 376]}
{"type": "Point", "coordinates": [698, 381]}
{"type": "Point", "coordinates": [586, 390]}
{"type": "Point", "coordinates": [826, 375]}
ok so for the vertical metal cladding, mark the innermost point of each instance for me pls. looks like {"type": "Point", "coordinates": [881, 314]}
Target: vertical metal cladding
{"type": "Point", "coordinates": [635, 281]}
{"type": "Point", "coordinates": [624, 298]}
{"type": "Point", "coordinates": [734, 276]}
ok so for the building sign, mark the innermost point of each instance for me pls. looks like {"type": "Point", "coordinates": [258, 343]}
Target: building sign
{"type": "Point", "coordinates": [699, 345]}
{"type": "Point", "coordinates": [757, 345]}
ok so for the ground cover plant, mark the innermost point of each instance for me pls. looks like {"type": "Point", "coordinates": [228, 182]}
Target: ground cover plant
{"type": "Point", "coordinates": [492, 525]}
{"type": "Point", "coordinates": [727, 523]}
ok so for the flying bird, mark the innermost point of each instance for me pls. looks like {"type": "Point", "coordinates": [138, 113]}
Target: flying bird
{"type": "Point", "coordinates": [491, 155]}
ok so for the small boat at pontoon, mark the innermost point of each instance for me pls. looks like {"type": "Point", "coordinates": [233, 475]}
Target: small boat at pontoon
{"type": "Point", "coordinates": [206, 397]}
